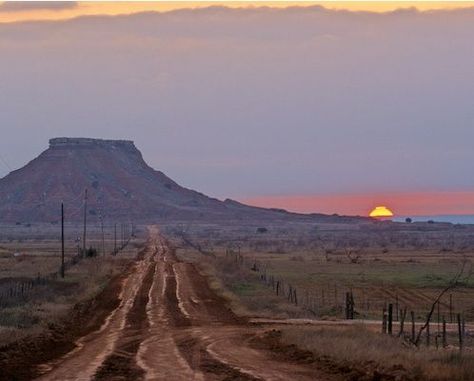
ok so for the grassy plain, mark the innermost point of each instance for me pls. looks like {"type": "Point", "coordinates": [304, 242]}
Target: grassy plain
{"type": "Point", "coordinates": [404, 264]}
{"type": "Point", "coordinates": [32, 294]}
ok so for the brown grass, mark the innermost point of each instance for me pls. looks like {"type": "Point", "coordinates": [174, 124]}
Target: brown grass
{"type": "Point", "coordinates": [358, 346]}
{"type": "Point", "coordinates": [414, 265]}
{"type": "Point", "coordinates": [49, 301]}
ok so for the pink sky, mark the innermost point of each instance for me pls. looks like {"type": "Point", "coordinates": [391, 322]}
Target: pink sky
{"type": "Point", "coordinates": [413, 203]}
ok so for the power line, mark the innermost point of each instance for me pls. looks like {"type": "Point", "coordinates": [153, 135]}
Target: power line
{"type": "Point", "coordinates": [2, 159]}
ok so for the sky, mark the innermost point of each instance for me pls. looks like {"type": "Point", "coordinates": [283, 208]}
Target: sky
{"type": "Point", "coordinates": [14, 11]}
{"type": "Point", "coordinates": [313, 108]}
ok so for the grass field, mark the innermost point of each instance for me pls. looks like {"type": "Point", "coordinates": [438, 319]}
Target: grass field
{"type": "Point", "coordinates": [32, 293]}
{"type": "Point", "coordinates": [406, 268]}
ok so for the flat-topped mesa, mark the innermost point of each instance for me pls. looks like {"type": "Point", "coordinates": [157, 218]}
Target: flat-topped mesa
{"type": "Point", "coordinates": [89, 142]}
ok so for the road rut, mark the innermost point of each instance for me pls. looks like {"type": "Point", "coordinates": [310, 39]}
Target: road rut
{"type": "Point", "coordinates": [171, 326]}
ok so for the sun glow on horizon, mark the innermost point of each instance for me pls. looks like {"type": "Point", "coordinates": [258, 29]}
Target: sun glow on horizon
{"type": "Point", "coordinates": [381, 211]}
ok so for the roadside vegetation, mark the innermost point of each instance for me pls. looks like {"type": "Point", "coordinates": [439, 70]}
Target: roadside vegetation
{"type": "Point", "coordinates": [33, 296]}
{"type": "Point", "coordinates": [364, 352]}
{"type": "Point", "coordinates": [407, 268]}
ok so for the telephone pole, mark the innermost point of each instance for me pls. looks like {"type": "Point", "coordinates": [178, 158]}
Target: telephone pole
{"type": "Point", "coordinates": [85, 225]}
{"type": "Point", "coordinates": [115, 238]}
{"type": "Point", "coordinates": [103, 238]}
{"type": "Point", "coordinates": [62, 240]}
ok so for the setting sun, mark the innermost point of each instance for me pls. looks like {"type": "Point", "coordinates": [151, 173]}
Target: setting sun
{"type": "Point", "coordinates": [381, 211]}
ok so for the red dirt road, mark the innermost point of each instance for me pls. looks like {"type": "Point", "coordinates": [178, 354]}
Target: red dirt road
{"type": "Point", "coordinates": [171, 326]}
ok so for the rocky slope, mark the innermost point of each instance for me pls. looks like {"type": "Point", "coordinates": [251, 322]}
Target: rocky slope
{"type": "Point", "coordinates": [120, 186]}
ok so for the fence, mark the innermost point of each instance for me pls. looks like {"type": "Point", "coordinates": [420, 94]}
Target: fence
{"type": "Point", "coordinates": [17, 291]}
{"type": "Point", "coordinates": [344, 304]}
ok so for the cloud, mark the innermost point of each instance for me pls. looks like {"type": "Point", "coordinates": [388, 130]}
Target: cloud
{"type": "Point", "coordinates": [23, 6]}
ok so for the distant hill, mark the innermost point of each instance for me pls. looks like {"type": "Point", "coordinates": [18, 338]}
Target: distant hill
{"type": "Point", "coordinates": [120, 186]}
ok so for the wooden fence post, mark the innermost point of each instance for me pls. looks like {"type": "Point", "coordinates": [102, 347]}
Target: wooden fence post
{"type": "Point", "coordinates": [445, 341]}
{"type": "Point", "coordinates": [352, 305]}
{"type": "Point", "coordinates": [390, 318]}
{"type": "Point", "coordinates": [348, 305]}
{"type": "Point", "coordinates": [460, 332]}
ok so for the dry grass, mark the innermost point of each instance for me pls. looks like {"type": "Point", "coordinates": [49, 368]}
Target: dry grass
{"type": "Point", "coordinates": [47, 303]}
{"type": "Point", "coordinates": [51, 299]}
{"type": "Point", "coordinates": [359, 346]}
{"type": "Point", "coordinates": [412, 265]}
{"type": "Point", "coordinates": [240, 286]}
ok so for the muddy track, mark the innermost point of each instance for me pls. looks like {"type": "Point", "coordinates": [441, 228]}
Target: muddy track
{"type": "Point", "coordinates": [178, 319]}
{"type": "Point", "coordinates": [121, 364]}
{"type": "Point", "coordinates": [170, 325]}
{"type": "Point", "coordinates": [25, 359]}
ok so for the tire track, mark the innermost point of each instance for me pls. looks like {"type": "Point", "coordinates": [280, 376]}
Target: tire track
{"type": "Point", "coordinates": [122, 364]}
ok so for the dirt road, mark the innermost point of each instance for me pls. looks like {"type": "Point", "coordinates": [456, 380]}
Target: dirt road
{"type": "Point", "coordinates": [171, 326]}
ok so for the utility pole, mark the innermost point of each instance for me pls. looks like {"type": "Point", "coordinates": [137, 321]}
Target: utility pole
{"type": "Point", "coordinates": [85, 225]}
{"type": "Point", "coordinates": [103, 238]}
{"type": "Point", "coordinates": [115, 238]}
{"type": "Point", "coordinates": [62, 240]}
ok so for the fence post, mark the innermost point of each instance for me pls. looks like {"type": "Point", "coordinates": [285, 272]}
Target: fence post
{"type": "Point", "coordinates": [460, 332]}
{"type": "Point", "coordinates": [445, 342]}
{"type": "Point", "coordinates": [390, 318]}
{"type": "Point", "coordinates": [352, 306]}
{"type": "Point", "coordinates": [347, 306]}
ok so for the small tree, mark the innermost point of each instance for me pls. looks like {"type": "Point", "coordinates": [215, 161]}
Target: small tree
{"type": "Point", "coordinates": [91, 252]}
{"type": "Point", "coordinates": [455, 281]}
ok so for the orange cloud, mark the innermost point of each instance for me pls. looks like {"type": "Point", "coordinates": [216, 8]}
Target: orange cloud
{"type": "Point", "coordinates": [410, 203]}
{"type": "Point", "coordinates": [63, 11]}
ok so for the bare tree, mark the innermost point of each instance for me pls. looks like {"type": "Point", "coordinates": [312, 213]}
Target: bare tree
{"type": "Point", "coordinates": [352, 254]}
{"type": "Point", "coordinates": [455, 281]}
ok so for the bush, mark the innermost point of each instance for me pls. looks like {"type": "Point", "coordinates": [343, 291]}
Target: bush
{"type": "Point", "coordinates": [91, 252]}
